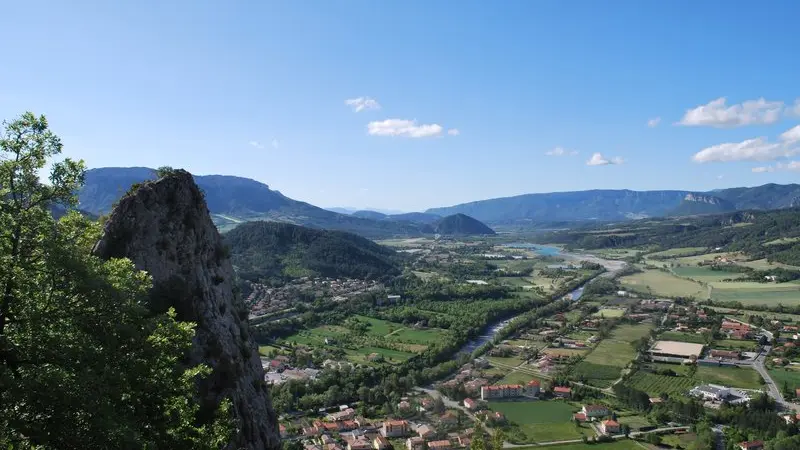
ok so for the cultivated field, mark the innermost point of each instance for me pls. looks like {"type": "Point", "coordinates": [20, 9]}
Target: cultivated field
{"type": "Point", "coordinates": [609, 313]}
{"type": "Point", "coordinates": [617, 349]}
{"type": "Point", "coordinates": [656, 385]}
{"type": "Point", "coordinates": [658, 282]}
{"type": "Point", "coordinates": [744, 378]}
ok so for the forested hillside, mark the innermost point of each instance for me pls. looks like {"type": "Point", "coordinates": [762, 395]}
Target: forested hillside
{"type": "Point", "coordinates": [280, 251]}
{"type": "Point", "coordinates": [774, 235]}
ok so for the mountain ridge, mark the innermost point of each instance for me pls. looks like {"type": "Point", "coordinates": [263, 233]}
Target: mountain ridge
{"type": "Point", "coordinates": [616, 204]}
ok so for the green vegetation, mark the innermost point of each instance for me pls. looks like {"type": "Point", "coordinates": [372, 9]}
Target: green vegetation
{"type": "Point", "coordinates": [739, 377]}
{"type": "Point", "coordinates": [677, 252]}
{"type": "Point", "coordinates": [462, 225]}
{"type": "Point", "coordinates": [609, 313]}
{"type": "Point", "coordinates": [276, 252]}
{"type": "Point", "coordinates": [604, 364]}
{"type": "Point", "coordinates": [517, 378]}
{"type": "Point", "coordinates": [656, 385]}
{"type": "Point", "coordinates": [542, 421]}
{"type": "Point", "coordinates": [621, 444]}
{"type": "Point", "coordinates": [83, 363]}
{"type": "Point", "coordinates": [789, 375]}
{"type": "Point", "coordinates": [750, 293]}
{"type": "Point", "coordinates": [657, 282]}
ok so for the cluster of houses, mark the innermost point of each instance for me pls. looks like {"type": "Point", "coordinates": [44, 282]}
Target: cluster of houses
{"type": "Point", "coordinates": [342, 430]}
{"type": "Point", "coordinates": [736, 330]}
{"type": "Point", "coordinates": [278, 370]}
{"type": "Point", "coordinates": [266, 299]}
{"type": "Point", "coordinates": [590, 413]}
{"type": "Point", "coordinates": [501, 391]}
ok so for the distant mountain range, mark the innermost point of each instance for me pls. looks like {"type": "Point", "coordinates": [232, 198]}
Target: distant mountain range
{"type": "Point", "coordinates": [235, 200]}
{"type": "Point", "coordinates": [614, 205]}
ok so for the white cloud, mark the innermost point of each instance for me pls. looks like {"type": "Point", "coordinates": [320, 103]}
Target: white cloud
{"type": "Point", "coordinates": [560, 151]}
{"type": "Point", "coordinates": [275, 143]}
{"type": "Point", "coordinates": [404, 128]}
{"type": "Point", "coordinates": [652, 123]}
{"type": "Point", "coordinates": [256, 144]}
{"type": "Point", "coordinates": [719, 177]}
{"type": "Point", "coordinates": [598, 159]}
{"type": "Point", "coordinates": [362, 104]}
{"type": "Point", "coordinates": [717, 114]}
{"type": "Point", "coordinates": [791, 136]}
{"type": "Point", "coordinates": [790, 166]}
{"type": "Point", "coordinates": [757, 149]}
{"type": "Point", "coordinates": [453, 132]}
{"type": "Point", "coordinates": [796, 109]}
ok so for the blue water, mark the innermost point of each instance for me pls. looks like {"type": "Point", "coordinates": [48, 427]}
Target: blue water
{"type": "Point", "coordinates": [544, 250]}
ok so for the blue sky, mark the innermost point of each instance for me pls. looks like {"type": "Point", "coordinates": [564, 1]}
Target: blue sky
{"type": "Point", "coordinates": [457, 100]}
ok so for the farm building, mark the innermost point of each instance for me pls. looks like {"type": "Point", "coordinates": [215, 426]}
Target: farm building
{"type": "Point", "coordinates": [675, 349]}
{"type": "Point", "coordinates": [711, 392]}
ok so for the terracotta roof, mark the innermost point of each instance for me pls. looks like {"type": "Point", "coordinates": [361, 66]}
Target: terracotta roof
{"type": "Point", "coordinates": [561, 389]}
{"type": "Point", "coordinates": [534, 383]}
{"type": "Point", "coordinates": [610, 423]}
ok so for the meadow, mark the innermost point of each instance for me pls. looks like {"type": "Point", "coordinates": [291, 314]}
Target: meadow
{"type": "Point", "coordinates": [517, 378]}
{"type": "Point", "coordinates": [734, 344]}
{"type": "Point", "coordinates": [620, 444]}
{"type": "Point", "coordinates": [682, 337]}
{"type": "Point", "coordinates": [789, 374]}
{"type": "Point", "coordinates": [677, 252]}
{"type": "Point", "coordinates": [604, 364]}
{"type": "Point", "coordinates": [753, 293]}
{"type": "Point", "coordinates": [542, 421]}
{"type": "Point", "coordinates": [659, 282]}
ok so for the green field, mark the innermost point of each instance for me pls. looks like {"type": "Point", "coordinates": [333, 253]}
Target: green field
{"type": "Point", "coordinates": [705, 274]}
{"type": "Point", "coordinates": [767, 315]}
{"type": "Point", "coordinates": [727, 376]}
{"type": "Point", "coordinates": [752, 293]}
{"type": "Point", "coordinates": [682, 337]}
{"type": "Point", "coordinates": [542, 421]}
{"type": "Point", "coordinates": [678, 252]}
{"type": "Point", "coordinates": [788, 374]}
{"type": "Point", "coordinates": [617, 349]}
{"type": "Point", "coordinates": [390, 356]}
{"type": "Point", "coordinates": [621, 444]}
{"type": "Point", "coordinates": [609, 313]}
{"type": "Point", "coordinates": [517, 378]}
{"type": "Point", "coordinates": [512, 361]}
{"type": "Point", "coordinates": [733, 344]}
{"type": "Point", "coordinates": [655, 385]}
{"type": "Point", "coordinates": [658, 282]}
{"type": "Point", "coordinates": [604, 364]}
{"type": "Point", "coordinates": [786, 240]}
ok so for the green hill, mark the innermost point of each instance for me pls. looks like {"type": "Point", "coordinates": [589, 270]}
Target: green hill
{"type": "Point", "coordinates": [280, 251]}
{"type": "Point", "coordinates": [462, 225]}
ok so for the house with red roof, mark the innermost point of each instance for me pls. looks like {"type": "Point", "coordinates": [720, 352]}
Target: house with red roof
{"type": "Point", "coordinates": [562, 391]}
{"type": "Point", "coordinates": [751, 445]}
{"type": "Point", "coordinates": [609, 426]}
{"type": "Point", "coordinates": [501, 391]}
{"type": "Point", "coordinates": [470, 404]}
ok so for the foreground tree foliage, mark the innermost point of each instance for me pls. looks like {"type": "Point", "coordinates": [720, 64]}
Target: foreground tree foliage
{"type": "Point", "coordinates": [83, 363]}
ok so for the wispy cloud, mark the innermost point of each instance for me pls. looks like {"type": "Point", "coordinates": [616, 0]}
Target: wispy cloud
{"type": "Point", "coordinates": [790, 166]}
{"type": "Point", "coordinates": [275, 143]}
{"type": "Point", "coordinates": [598, 159]}
{"type": "Point", "coordinates": [453, 132]}
{"type": "Point", "coordinates": [719, 177]}
{"type": "Point", "coordinates": [362, 104]}
{"type": "Point", "coordinates": [404, 128]}
{"type": "Point", "coordinates": [652, 123]}
{"type": "Point", "coordinates": [560, 151]}
{"type": "Point", "coordinates": [717, 114]}
{"type": "Point", "coordinates": [256, 144]}
{"type": "Point", "coordinates": [757, 149]}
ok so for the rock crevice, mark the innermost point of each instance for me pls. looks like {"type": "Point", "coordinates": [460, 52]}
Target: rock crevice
{"type": "Point", "coordinates": [165, 228]}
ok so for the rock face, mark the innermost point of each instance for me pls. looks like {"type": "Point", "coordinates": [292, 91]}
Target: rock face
{"type": "Point", "coordinates": [165, 228]}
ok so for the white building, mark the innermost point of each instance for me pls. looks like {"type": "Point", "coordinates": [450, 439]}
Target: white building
{"type": "Point", "coordinates": [712, 392]}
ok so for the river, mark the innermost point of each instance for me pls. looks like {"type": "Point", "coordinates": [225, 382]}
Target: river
{"type": "Point", "coordinates": [575, 295]}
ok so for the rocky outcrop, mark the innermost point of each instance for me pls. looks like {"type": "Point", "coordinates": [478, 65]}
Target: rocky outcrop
{"type": "Point", "coordinates": [165, 228]}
